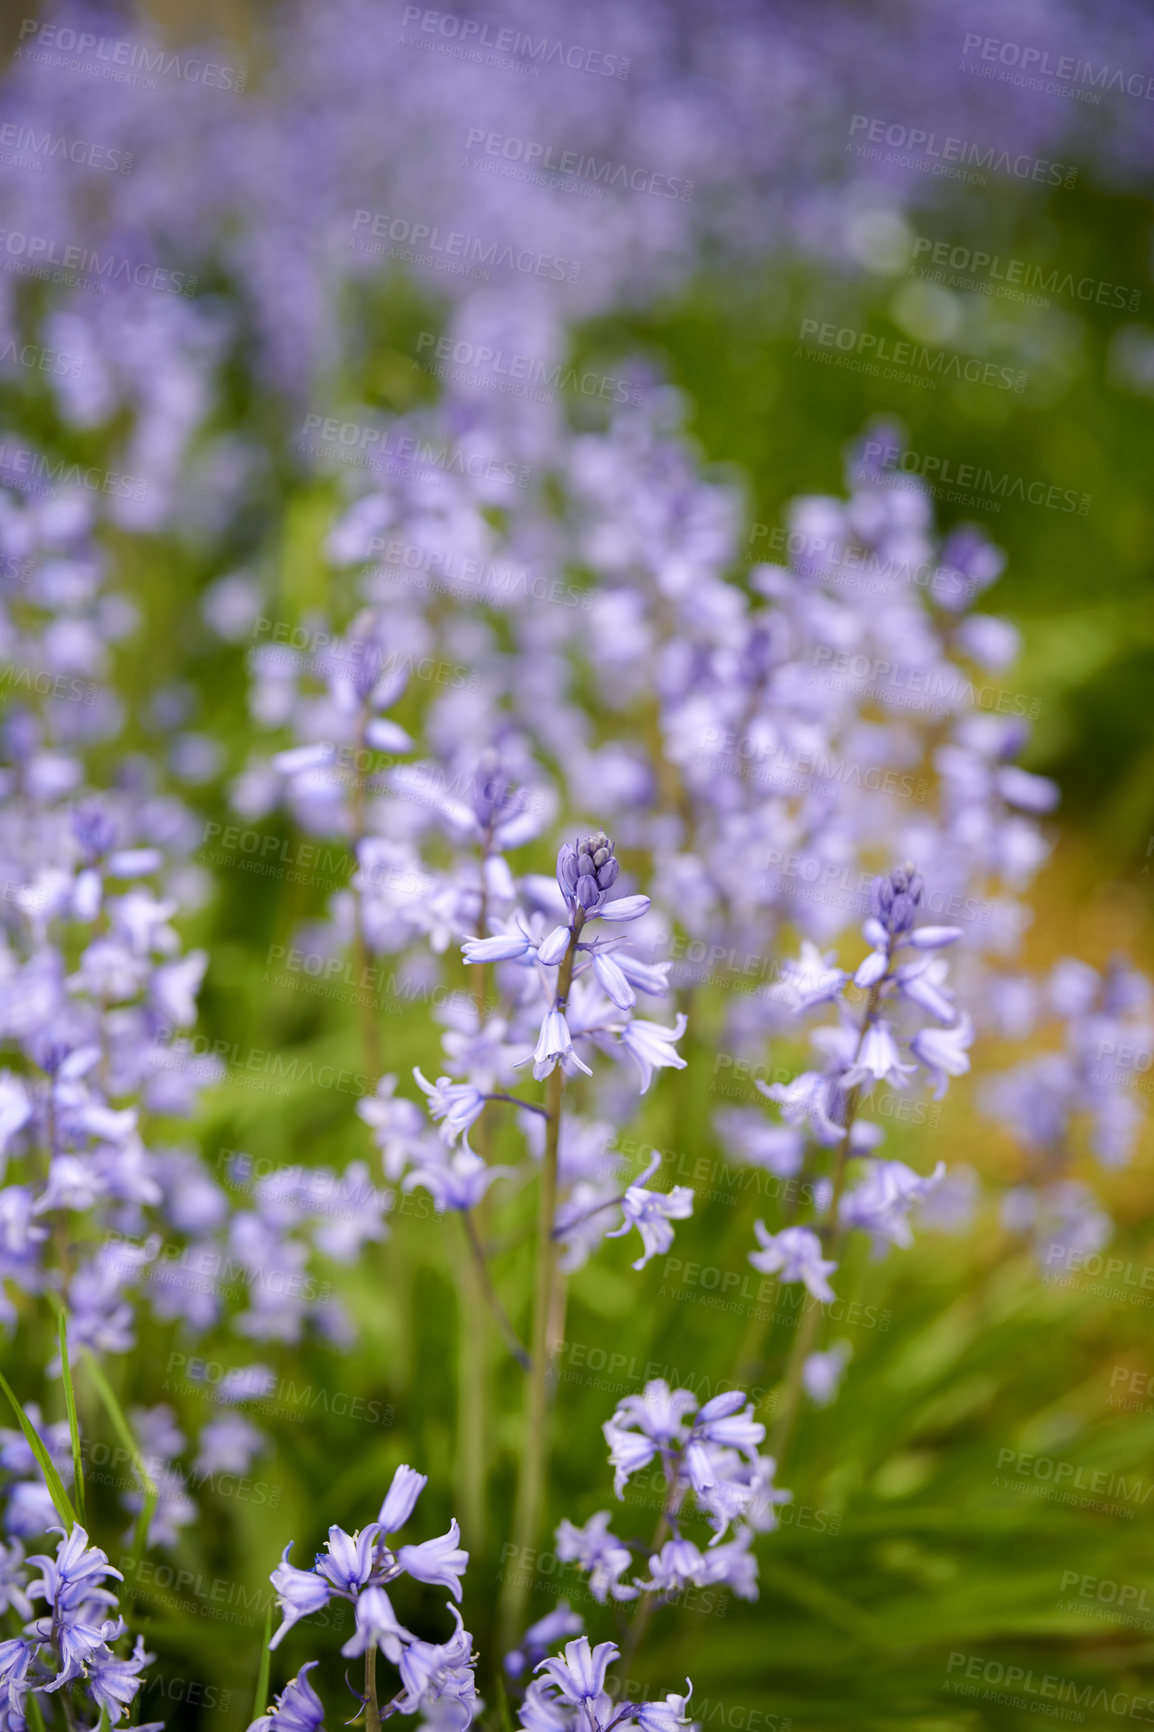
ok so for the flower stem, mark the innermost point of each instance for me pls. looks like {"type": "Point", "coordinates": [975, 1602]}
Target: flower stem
{"type": "Point", "coordinates": [531, 1483]}
{"type": "Point", "coordinates": [831, 1233]}
{"type": "Point", "coordinates": [369, 1037]}
{"type": "Point", "coordinates": [471, 1399]}
{"type": "Point", "coordinates": [487, 1292]}
{"type": "Point", "coordinates": [372, 1707]}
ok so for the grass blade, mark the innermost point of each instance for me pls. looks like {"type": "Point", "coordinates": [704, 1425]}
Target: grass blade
{"type": "Point", "coordinates": [124, 1432]}
{"type": "Point", "coordinates": [73, 1422]}
{"type": "Point", "coordinates": [52, 1479]}
{"type": "Point", "coordinates": [260, 1700]}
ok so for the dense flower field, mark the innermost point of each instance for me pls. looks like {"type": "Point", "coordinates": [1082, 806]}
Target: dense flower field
{"type": "Point", "coordinates": [572, 1108]}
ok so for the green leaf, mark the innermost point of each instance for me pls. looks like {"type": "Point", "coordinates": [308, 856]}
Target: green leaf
{"type": "Point", "coordinates": [32, 1709]}
{"type": "Point", "coordinates": [52, 1479]}
{"type": "Point", "coordinates": [260, 1700]}
{"type": "Point", "coordinates": [70, 1402]}
{"type": "Point", "coordinates": [124, 1432]}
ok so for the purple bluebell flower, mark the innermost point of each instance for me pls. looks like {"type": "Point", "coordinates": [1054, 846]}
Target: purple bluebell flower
{"type": "Point", "coordinates": [650, 1046]}
{"type": "Point", "coordinates": [822, 1373]}
{"type": "Point", "coordinates": [459, 1105]}
{"type": "Point", "coordinates": [597, 1551]}
{"type": "Point", "coordinates": [401, 1498]}
{"type": "Point", "coordinates": [298, 1708]}
{"type": "Point", "coordinates": [350, 1558]}
{"type": "Point", "coordinates": [555, 1047]}
{"type": "Point", "coordinates": [651, 1213]}
{"type": "Point", "coordinates": [881, 1203]}
{"type": "Point", "coordinates": [377, 1624]}
{"type": "Point", "coordinates": [945, 1052]}
{"type": "Point", "coordinates": [440, 1562]}
{"type": "Point", "coordinates": [795, 1255]}
{"type": "Point", "coordinates": [540, 1637]}
{"type": "Point", "coordinates": [299, 1594]}
{"type": "Point", "coordinates": [438, 1677]}
{"type": "Point", "coordinates": [580, 1676]}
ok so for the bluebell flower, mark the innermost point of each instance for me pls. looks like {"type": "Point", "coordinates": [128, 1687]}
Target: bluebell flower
{"type": "Point", "coordinates": [678, 1565]}
{"type": "Point", "coordinates": [822, 1373]}
{"type": "Point", "coordinates": [599, 1553]}
{"type": "Point", "coordinates": [811, 1100]}
{"type": "Point", "coordinates": [668, 1715]}
{"type": "Point", "coordinates": [540, 1637]}
{"type": "Point", "coordinates": [795, 1255]}
{"type": "Point", "coordinates": [944, 1052]}
{"type": "Point", "coordinates": [299, 1594]}
{"type": "Point", "coordinates": [555, 1047]}
{"type": "Point", "coordinates": [458, 1104]}
{"type": "Point", "coordinates": [895, 900]}
{"type": "Point", "coordinates": [439, 1562]}
{"type": "Point", "coordinates": [441, 1674]}
{"type": "Point", "coordinates": [651, 1213]}
{"type": "Point", "coordinates": [113, 1682]}
{"type": "Point", "coordinates": [455, 1181]}
{"type": "Point", "coordinates": [298, 1708]}
{"type": "Point", "coordinates": [580, 1677]}
{"type": "Point", "coordinates": [401, 1498]}
{"type": "Point", "coordinates": [720, 1422]}
{"type": "Point", "coordinates": [878, 1060]}
{"type": "Point", "coordinates": [585, 876]}
{"type": "Point", "coordinates": [612, 980]}
{"type": "Point", "coordinates": [650, 1046]}
{"type": "Point", "coordinates": [72, 1577]}
{"type": "Point", "coordinates": [377, 1624]}
{"type": "Point", "coordinates": [350, 1558]}
{"type": "Point", "coordinates": [629, 1452]}
{"type": "Point", "coordinates": [881, 1203]}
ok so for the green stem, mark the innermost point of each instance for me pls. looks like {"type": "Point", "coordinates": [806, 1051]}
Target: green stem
{"type": "Point", "coordinates": [487, 1292]}
{"type": "Point", "coordinates": [369, 1036]}
{"type": "Point", "coordinates": [831, 1234]}
{"type": "Point", "coordinates": [372, 1707]}
{"type": "Point", "coordinates": [474, 1289]}
{"type": "Point", "coordinates": [471, 1404]}
{"type": "Point", "coordinates": [531, 1484]}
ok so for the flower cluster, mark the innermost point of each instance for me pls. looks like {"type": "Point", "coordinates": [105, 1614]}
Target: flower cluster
{"type": "Point", "coordinates": [710, 1465]}
{"type": "Point", "coordinates": [572, 1695]}
{"type": "Point", "coordinates": [437, 1678]}
{"type": "Point", "coordinates": [70, 1647]}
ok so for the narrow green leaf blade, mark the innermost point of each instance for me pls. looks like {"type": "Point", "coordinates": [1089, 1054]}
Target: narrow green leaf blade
{"type": "Point", "coordinates": [260, 1700]}
{"type": "Point", "coordinates": [73, 1422]}
{"type": "Point", "coordinates": [52, 1479]}
{"type": "Point", "coordinates": [124, 1432]}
